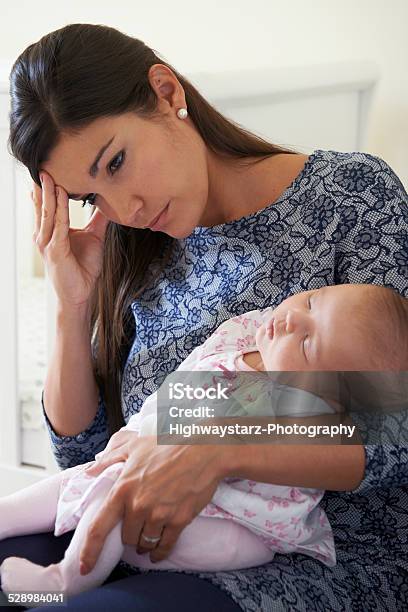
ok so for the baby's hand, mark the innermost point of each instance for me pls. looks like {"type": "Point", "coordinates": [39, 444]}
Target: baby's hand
{"type": "Point", "coordinates": [89, 466]}
{"type": "Point", "coordinates": [115, 441]}
{"type": "Point", "coordinates": [115, 450]}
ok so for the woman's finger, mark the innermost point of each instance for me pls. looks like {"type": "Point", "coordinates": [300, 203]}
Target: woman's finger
{"type": "Point", "coordinates": [47, 211]}
{"type": "Point", "coordinates": [149, 530]}
{"type": "Point", "coordinates": [132, 526]}
{"type": "Point", "coordinates": [61, 224]}
{"type": "Point", "coordinates": [108, 516]}
{"type": "Point", "coordinates": [36, 196]}
{"type": "Point", "coordinates": [168, 539]}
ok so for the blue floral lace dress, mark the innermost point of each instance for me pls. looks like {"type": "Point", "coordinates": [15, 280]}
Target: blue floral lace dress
{"type": "Point", "coordinates": [344, 219]}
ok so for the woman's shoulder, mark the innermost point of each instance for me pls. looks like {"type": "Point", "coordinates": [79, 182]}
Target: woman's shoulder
{"type": "Point", "coordinates": [356, 172]}
{"type": "Point", "coordinates": [332, 181]}
{"type": "Point", "coordinates": [329, 178]}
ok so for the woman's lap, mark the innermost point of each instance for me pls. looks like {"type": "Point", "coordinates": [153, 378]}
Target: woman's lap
{"type": "Point", "coordinates": [289, 582]}
{"type": "Point", "coordinates": [169, 591]}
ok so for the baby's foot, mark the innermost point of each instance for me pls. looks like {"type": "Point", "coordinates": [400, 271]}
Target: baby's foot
{"type": "Point", "coordinates": [19, 574]}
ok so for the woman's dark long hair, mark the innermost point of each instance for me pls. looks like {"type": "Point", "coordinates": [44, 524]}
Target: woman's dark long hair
{"type": "Point", "coordinates": [62, 83]}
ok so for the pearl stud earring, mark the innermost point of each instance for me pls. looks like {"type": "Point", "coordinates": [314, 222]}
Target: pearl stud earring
{"type": "Point", "coordinates": [182, 113]}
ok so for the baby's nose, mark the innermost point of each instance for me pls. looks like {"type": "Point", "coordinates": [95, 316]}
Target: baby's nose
{"type": "Point", "coordinates": [294, 320]}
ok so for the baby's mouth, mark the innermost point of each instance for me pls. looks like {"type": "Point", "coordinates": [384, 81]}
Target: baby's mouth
{"type": "Point", "coordinates": [268, 322]}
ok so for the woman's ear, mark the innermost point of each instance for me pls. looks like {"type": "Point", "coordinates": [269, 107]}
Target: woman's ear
{"type": "Point", "coordinates": [167, 88]}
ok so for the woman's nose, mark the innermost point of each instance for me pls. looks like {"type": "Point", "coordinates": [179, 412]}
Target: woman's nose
{"type": "Point", "coordinates": [130, 214]}
{"type": "Point", "coordinates": [122, 207]}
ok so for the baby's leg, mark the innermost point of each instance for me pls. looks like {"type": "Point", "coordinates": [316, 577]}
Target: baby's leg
{"type": "Point", "coordinates": [31, 510]}
{"type": "Point", "coordinates": [208, 544]}
{"type": "Point", "coordinates": [22, 575]}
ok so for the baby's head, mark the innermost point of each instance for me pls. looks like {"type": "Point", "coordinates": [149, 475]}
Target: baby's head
{"type": "Point", "coordinates": [338, 327]}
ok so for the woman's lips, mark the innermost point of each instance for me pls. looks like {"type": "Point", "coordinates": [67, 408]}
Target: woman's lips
{"type": "Point", "coordinates": [158, 222]}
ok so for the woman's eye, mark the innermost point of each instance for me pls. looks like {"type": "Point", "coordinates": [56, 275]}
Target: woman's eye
{"type": "Point", "coordinates": [116, 162]}
{"type": "Point", "coordinates": [113, 167]}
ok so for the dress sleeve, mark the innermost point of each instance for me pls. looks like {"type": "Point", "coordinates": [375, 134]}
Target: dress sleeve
{"type": "Point", "coordinates": [372, 248]}
{"type": "Point", "coordinates": [81, 448]}
{"type": "Point", "coordinates": [370, 237]}
{"type": "Point", "coordinates": [386, 467]}
{"type": "Point", "coordinates": [385, 442]}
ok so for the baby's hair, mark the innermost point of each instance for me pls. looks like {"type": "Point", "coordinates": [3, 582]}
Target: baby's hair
{"type": "Point", "coordinates": [383, 319]}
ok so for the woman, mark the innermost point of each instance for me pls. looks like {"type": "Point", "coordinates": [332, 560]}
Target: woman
{"type": "Point", "coordinates": [207, 221]}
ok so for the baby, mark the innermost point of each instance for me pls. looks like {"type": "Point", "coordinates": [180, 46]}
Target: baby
{"type": "Point", "coordinates": [342, 327]}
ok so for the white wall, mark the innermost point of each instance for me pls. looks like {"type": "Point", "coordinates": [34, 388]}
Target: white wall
{"type": "Point", "coordinates": [216, 35]}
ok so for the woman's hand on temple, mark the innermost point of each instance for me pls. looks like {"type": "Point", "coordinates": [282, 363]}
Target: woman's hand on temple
{"type": "Point", "coordinates": [73, 257]}
{"type": "Point", "coordinates": [161, 489]}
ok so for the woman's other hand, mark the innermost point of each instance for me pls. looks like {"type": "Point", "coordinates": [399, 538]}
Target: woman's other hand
{"type": "Point", "coordinates": [73, 257]}
{"type": "Point", "coordinates": [161, 489]}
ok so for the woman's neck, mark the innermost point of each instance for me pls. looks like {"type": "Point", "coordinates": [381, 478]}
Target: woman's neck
{"type": "Point", "coordinates": [237, 188]}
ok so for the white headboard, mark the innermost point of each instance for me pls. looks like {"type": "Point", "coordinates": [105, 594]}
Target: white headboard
{"type": "Point", "coordinates": [303, 108]}
{"type": "Point", "coordinates": [309, 107]}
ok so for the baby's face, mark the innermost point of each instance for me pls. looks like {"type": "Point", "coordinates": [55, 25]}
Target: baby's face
{"type": "Point", "coordinates": [315, 330]}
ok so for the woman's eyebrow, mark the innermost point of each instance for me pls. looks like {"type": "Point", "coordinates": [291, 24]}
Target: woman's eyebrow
{"type": "Point", "coordinates": [93, 170]}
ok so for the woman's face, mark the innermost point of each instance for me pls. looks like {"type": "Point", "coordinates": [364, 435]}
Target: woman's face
{"type": "Point", "coordinates": [316, 330]}
{"type": "Point", "coordinates": [143, 167]}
